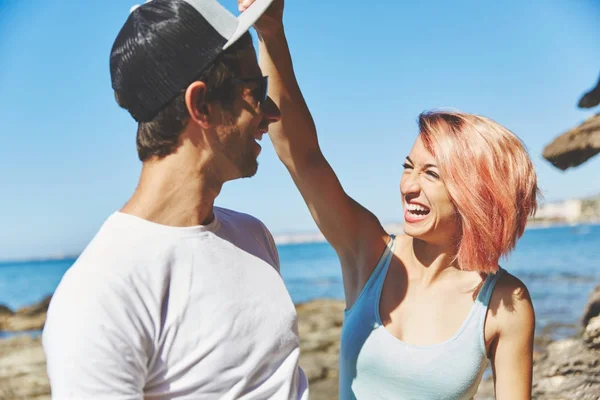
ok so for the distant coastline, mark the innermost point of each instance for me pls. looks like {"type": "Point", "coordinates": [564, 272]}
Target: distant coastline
{"type": "Point", "coordinates": [397, 228]}
{"type": "Point", "coordinates": [560, 224]}
{"type": "Point", "coordinates": [69, 257]}
{"type": "Point", "coordinates": [317, 237]}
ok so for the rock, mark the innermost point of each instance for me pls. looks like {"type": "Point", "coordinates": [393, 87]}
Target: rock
{"type": "Point", "coordinates": [591, 98]}
{"type": "Point", "coordinates": [36, 309]}
{"type": "Point", "coordinates": [27, 318]}
{"type": "Point", "coordinates": [575, 146]}
{"type": "Point", "coordinates": [591, 335]}
{"type": "Point", "coordinates": [592, 308]}
{"type": "Point", "coordinates": [320, 325]}
{"type": "Point", "coordinates": [568, 370]}
{"type": "Point", "coordinates": [23, 369]}
{"type": "Point", "coordinates": [5, 311]}
{"type": "Point", "coordinates": [18, 323]}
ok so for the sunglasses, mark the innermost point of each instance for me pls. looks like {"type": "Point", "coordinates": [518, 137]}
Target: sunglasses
{"type": "Point", "coordinates": [262, 86]}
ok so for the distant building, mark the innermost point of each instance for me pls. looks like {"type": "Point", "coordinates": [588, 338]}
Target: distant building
{"type": "Point", "coordinates": [567, 211]}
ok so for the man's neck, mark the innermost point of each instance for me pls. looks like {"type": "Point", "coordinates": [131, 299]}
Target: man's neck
{"type": "Point", "coordinates": [175, 192]}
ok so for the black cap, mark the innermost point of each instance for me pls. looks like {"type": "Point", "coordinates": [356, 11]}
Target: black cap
{"type": "Point", "coordinates": [165, 44]}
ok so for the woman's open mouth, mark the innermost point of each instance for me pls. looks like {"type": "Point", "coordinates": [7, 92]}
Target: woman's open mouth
{"type": "Point", "coordinates": [415, 212]}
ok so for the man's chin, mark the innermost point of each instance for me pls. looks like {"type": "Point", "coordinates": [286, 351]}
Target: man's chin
{"type": "Point", "coordinates": [249, 171]}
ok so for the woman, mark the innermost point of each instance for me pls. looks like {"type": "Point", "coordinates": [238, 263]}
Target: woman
{"type": "Point", "coordinates": [427, 309]}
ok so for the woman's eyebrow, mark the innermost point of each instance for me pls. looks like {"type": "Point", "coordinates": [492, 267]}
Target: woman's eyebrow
{"type": "Point", "coordinates": [424, 166]}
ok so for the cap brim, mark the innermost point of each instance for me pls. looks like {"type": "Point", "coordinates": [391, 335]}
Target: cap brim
{"type": "Point", "coordinates": [247, 19]}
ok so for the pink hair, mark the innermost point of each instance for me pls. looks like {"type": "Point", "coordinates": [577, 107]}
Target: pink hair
{"type": "Point", "coordinates": [490, 179]}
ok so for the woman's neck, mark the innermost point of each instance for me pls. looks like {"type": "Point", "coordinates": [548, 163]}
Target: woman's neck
{"type": "Point", "coordinates": [431, 261]}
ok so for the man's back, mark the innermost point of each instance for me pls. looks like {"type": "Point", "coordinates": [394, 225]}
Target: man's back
{"type": "Point", "coordinates": [164, 312]}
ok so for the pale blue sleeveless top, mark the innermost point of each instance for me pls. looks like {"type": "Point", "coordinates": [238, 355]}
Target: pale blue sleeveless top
{"type": "Point", "coordinates": [374, 364]}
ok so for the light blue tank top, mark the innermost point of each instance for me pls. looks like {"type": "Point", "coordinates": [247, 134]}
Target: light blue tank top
{"type": "Point", "coordinates": [376, 365]}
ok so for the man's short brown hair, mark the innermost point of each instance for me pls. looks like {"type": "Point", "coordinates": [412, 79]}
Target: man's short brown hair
{"type": "Point", "coordinates": [160, 136]}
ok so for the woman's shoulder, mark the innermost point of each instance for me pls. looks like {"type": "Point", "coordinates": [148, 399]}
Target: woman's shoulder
{"type": "Point", "coordinates": [511, 305]}
{"type": "Point", "coordinates": [510, 289]}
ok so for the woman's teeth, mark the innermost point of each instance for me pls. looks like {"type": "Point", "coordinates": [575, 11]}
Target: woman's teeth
{"type": "Point", "coordinates": [417, 210]}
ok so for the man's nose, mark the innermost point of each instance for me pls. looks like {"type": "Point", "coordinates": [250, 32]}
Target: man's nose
{"type": "Point", "coordinates": [270, 111]}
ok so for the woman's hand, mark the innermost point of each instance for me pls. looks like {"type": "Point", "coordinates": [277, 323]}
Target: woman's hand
{"type": "Point", "coordinates": [271, 22]}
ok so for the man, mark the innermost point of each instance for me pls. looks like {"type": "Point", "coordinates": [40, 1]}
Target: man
{"type": "Point", "coordinates": [176, 298]}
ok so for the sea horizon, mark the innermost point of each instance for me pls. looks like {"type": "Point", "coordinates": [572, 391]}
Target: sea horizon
{"type": "Point", "coordinates": [308, 237]}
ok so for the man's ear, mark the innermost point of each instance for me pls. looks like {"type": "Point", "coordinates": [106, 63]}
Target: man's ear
{"type": "Point", "coordinates": [195, 101]}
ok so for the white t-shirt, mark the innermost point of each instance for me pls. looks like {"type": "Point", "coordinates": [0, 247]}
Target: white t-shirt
{"type": "Point", "coordinates": [157, 312]}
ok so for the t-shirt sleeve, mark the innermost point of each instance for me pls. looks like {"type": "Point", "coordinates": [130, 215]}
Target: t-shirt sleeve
{"type": "Point", "coordinates": [96, 340]}
{"type": "Point", "coordinates": [271, 246]}
{"type": "Point", "coordinates": [250, 234]}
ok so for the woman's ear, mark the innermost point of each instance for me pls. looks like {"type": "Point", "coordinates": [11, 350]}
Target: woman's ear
{"type": "Point", "coordinates": [195, 101]}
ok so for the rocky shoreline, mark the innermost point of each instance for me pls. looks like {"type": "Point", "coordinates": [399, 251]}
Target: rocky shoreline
{"type": "Point", "coordinates": [566, 369]}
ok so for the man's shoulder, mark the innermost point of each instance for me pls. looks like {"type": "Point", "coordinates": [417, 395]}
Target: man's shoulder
{"type": "Point", "coordinates": [240, 219]}
{"type": "Point", "coordinates": [110, 277]}
{"type": "Point", "coordinates": [249, 233]}
{"type": "Point", "coordinates": [117, 258]}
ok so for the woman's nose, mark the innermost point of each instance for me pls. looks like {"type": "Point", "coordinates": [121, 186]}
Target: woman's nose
{"type": "Point", "coordinates": [409, 184]}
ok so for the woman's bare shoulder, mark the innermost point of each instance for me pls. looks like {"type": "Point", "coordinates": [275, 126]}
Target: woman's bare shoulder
{"type": "Point", "coordinates": [511, 306]}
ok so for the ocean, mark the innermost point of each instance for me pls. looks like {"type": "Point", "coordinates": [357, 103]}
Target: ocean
{"type": "Point", "coordinates": [559, 265]}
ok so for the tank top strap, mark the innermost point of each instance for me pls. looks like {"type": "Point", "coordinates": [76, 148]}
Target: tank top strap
{"type": "Point", "coordinates": [483, 303]}
{"type": "Point", "coordinates": [485, 294]}
{"type": "Point", "coordinates": [382, 266]}
{"type": "Point", "coordinates": [377, 276]}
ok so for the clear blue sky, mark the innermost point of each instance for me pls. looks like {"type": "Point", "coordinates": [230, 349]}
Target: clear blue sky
{"type": "Point", "coordinates": [367, 69]}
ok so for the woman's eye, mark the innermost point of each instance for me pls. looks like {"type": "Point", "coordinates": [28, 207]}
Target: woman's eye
{"type": "Point", "coordinates": [406, 166]}
{"type": "Point", "coordinates": [433, 174]}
